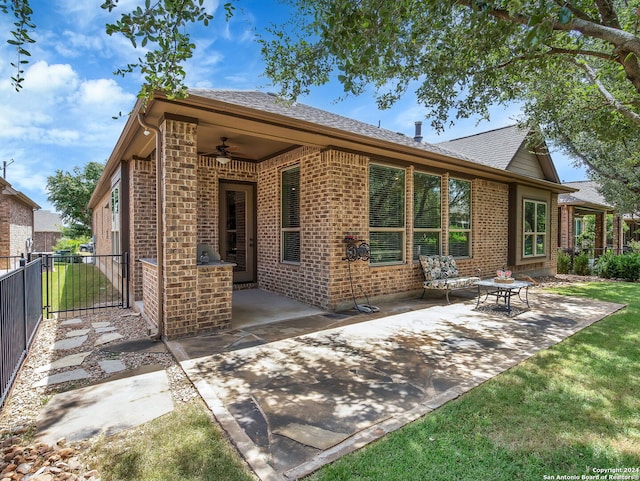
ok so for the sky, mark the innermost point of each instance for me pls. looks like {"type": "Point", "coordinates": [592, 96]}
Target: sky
{"type": "Point", "coordinates": [63, 117]}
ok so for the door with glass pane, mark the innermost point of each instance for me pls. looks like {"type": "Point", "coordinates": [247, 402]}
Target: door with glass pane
{"type": "Point", "coordinates": [237, 229]}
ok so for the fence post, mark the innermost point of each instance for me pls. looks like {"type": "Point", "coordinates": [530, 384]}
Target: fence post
{"type": "Point", "coordinates": [47, 259]}
{"type": "Point", "coordinates": [23, 268]}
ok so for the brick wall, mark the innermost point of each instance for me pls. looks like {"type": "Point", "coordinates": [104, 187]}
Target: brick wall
{"type": "Point", "coordinates": [179, 182]}
{"type": "Point", "coordinates": [150, 291]}
{"type": "Point", "coordinates": [142, 212]}
{"type": "Point", "coordinates": [44, 241]}
{"type": "Point", "coordinates": [5, 231]}
{"type": "Point", "coordinates": [102, 225]}
{"type": "Point", "coordinates": [215, 292]}
{"type": "Point", "coordinates": [335, 203]}
{"type": "Point", "coordinates": [308, 281]}
{"type": "Point", "coordinates": [16, 225]}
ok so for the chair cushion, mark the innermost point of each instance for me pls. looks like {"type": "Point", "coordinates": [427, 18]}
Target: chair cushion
{"type": "Point", "coordinates": [438, 267]}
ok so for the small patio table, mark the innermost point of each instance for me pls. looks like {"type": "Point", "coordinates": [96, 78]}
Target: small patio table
{"type": "Point", "coordinates": [504, 291]}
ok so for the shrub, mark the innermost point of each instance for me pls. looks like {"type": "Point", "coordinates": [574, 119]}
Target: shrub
{"type": "Point", "coordinates": [72, 245]}
{"type": "Point", "coordinates": [626, 266]}
{"type": "Point", "coordinates": [606, 266]}
{"type": "Point", "coordinates": [564, 262]}
{"type": "Point", "coordinates": [581, 265]}
{"type": "Point", "coordinates": [634, 245]}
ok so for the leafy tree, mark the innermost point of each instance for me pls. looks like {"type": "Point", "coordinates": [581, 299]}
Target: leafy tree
{"type": "Point", "coordinates": [573, 65]}
{"type": "Point", "coordinates": [69, 192]}
{"type": "Point", "coordinates": [161, 26]}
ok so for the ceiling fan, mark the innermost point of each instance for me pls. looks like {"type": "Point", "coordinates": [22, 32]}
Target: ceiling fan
{"type": "Point", "coordinates": [223, 155]}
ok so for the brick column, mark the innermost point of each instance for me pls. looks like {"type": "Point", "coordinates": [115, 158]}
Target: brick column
{"type": "Point", "coordinates": [179, 212]}
{"type": "Point", "coordinates": [618, 234]}
{"type": "Point", "coordinates": [600, 241]}
{"type": "Point", "coordinates": [567, 222]}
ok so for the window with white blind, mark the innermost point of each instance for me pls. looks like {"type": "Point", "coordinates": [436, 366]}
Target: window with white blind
{"type": "Point", "coordinates": [290, 215]}
{"type": "Point", "coordinates": [115, 219]}
{"type": "Point", "coordinates": [386, 214]}
{"type": "Point", "coordinates": [535, 228]}
{"type": "Point", "coordinates": [427, 209]}
{"type": "Point", "coordinates": [459, 218]}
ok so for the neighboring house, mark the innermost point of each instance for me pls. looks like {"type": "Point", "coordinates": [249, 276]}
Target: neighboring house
{"type": "Point", "coordinates": [275, 189]}
{"type": "Point", "coordinates": [587, 200]}
{"type": "Point", "coordinates": [633, 233]}
{"type": "Point", "coordinates": [16, 222]}
{"type": "Point", "coordinates": [47, 230]}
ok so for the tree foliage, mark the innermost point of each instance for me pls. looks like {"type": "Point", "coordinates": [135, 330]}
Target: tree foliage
{"type": "Point", "coordinates": [69, 193]}
{"type": "Point", "coordinates": [573, 65]}
{"type": "Point", "coordinates": [160, 27]}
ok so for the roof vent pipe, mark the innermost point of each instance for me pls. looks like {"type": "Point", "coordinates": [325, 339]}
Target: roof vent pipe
{"type": "Point", "coordinates": [418, 136]}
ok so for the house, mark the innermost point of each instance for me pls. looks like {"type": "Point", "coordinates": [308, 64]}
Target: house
{"type": "Point", "coordinates": [274, 190]}
{"type": "Point", "coordinates": [47, 231]}
{"type": "Point", "coordinates": [588, 201]}
{"type": "Point", "coordinates": [16, 224]}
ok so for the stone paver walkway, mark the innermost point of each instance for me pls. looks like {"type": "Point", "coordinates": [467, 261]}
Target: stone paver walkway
{"type": "Point", "coordinates": [293, 405]}
{"type": "Point", "coordinates": [75, 339]}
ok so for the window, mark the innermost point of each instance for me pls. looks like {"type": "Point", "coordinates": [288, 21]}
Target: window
{"type": "Point", "coordinates": [386, 214]}
{"type": "Point", "coordinates": [115, 219]}
{"type": "Point", "coordinates": [459, 218]}
{"type": "Point", "coordinates": [290, 220]}
{"type": "Point", "coordinates": [535, 228]}
{"type": "Point", "coordinates": [427, 208]}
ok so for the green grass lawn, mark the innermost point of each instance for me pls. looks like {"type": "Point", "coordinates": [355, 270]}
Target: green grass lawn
{"type": "Point", "coordinates": [77, 286]}
{"type": "Point", "coordinates": [564, 412]}
{"type": "Point", "coordinates": [184, 445]}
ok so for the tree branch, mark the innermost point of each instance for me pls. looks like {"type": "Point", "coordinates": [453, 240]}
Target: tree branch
{"type": "Point", "coordinates": [610, 99]}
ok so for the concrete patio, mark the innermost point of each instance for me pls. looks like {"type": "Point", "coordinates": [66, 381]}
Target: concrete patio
{"type": "Point", "coordinates": [299, 393]}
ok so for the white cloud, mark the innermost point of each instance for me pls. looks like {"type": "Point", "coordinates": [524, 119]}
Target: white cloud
{"type": "Point", "coordinates": [76, 44]}
{"type": "Point", "coordinates": [103, 92]}
{"type": "Point", "coordinates": [44, 78]}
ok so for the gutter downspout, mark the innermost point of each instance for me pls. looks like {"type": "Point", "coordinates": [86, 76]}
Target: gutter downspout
{"type": "Point", "coordinates": [159, 226]}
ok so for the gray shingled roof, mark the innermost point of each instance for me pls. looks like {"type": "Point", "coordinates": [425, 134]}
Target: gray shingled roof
{"type": "Point", "coordinates": [587, 193]}
{"type": "Point", "coordinates": [46, 221]}
{"type": "Point", "coordinates": [271, 103]}
{"type": "Point", "coordinates": [495, 148]}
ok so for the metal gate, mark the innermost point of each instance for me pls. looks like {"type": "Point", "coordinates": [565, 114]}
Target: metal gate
{"type": "Point", "coordinates": [20, 316]}
{"type": "Point", "coordinates": [76, 282]}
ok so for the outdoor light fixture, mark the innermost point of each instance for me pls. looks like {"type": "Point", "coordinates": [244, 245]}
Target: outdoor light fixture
{"type": "Point", "coordinates": [146, 132]}
{"type": "Point", "coordinates": [223, 156]}
{"type": "Point", "coordinates": [223, 159]}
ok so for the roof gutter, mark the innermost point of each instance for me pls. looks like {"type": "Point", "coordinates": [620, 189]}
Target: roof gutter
{"type": "Point", "coordinates": [159, 225]}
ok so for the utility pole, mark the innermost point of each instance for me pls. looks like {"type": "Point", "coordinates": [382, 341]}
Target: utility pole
{"type": "Point", "coordinates": [4, 167]}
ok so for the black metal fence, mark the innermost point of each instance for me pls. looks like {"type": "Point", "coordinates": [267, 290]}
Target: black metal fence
{"type": "Point", "coordinates": [20, 316]}
{"type": "Point", "coordinates": [78, 282]}
{"type": "Point", "coordinates": [9, 263]}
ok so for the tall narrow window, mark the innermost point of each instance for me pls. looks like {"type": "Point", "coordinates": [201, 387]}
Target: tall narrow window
{"type": "Point", "coordinates": [290, 219]}
{"type": "Point", "coordinates": [115, 219]}
{"type": "Point", "coordinates": [427, 225]}
{"type": "Point", "coordinates": [535, 228]}
{"type": "Point", "coordinates": [459, 218]}
{"type": "Point", "coordinates": [386, 214]}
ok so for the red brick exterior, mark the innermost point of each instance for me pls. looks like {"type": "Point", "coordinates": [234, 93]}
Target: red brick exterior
{"type": "Point", "coordinates": [16, 225]}
{"type": "Point", "coordinates": [334, 203]}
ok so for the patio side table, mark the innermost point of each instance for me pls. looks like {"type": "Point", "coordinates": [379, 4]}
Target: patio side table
{"type": "Point", "coordinates": [503, 291]}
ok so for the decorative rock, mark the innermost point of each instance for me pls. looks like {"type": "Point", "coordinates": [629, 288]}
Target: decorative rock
{"type": "Point", "coordinates": [100, 330]}
{"type": "Point", "coordinates": [78, 332]}
{"type": "Point", "coordinates": [71, 322]}
{"type": "Point", "coordinates": [74, 375]}
{"type": "Point", "coordinates": [111, 336]}
{"type": "Point", "coordinates": [70, 343]}
{"type": "Point", "coordinates": [67, 361]}
{"type": "Point", "coordinates": [98, 325]}
{"type": "Point", "coordinates": [112, 366]}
